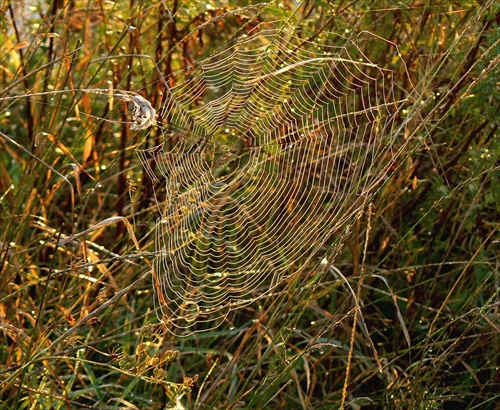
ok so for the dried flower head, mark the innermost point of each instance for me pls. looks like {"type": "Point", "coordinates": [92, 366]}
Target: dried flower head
{"type": "Point", "coordinates": [144, 115]}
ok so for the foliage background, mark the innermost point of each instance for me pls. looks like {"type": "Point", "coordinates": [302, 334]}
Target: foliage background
{"type": "Point", "coordinates": [77, 317]}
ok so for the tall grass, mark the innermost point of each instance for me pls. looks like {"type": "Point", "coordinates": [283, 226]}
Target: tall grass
{"type": "Point", "coordinates": [405, 316]}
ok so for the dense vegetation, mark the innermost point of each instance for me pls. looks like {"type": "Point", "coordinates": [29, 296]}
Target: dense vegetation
{"type": "Point", "coordinates": [403, 315]}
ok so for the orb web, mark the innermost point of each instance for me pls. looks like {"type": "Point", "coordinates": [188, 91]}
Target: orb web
{"type": "Point", "coordinates": [270, 147]}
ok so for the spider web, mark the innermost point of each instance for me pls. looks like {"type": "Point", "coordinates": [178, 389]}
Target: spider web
{"type": "Point", "coordinates": [270, 148]}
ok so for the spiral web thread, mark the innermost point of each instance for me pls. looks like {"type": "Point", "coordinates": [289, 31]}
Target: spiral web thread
{"type": "Point", "coordinates": [270, 147]}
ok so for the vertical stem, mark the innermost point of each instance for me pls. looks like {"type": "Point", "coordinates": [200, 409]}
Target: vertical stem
{"type": "Point", "coordinates": [356, 311]}
{"type": "Point", "coordinates": [29, 114]}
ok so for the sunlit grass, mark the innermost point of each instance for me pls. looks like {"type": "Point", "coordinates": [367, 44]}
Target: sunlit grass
{"type": "Point", "coordinates": [77, 318]}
